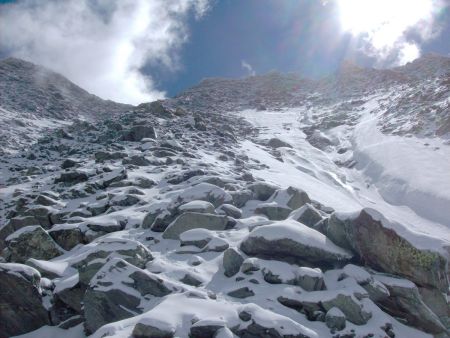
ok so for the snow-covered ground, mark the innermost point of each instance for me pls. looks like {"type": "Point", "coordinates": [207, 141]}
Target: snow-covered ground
{"type": "Point", "coordinates": [406, 179]}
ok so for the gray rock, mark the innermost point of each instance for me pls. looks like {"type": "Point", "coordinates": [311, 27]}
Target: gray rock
{"type": "Point", "coordinates": [21, 305]}
{"type": "Point", "coordinates": [72, 177]}
{"type": "Point", "coordinates": [68, 163]}
{"type": "Point", "coordinates": [107, 226]}
{"type": "Point", "coordinates": [392, 254]}
{"type": "Point", "coordinates": [243, 292]}
{"type": "Point", "coordinates": [350, 306]}
{"type": "Point", "coordinates": [291, 197]}
{"type": "Point", "coordinates": [277, 143]}
{"type": "Point", "coordinates": [273, 211]}
{"type": "Point", "coordinates": [138, 132]}
{"type": "Point", "coordinates": [230, 210]}
{"type": "Point", "coordinates": [206, 328]}
{"type": "Point", "coordinates": [293, 242]}
{"type": "Point", "coordinates": [335, 319]}
{"type": "Point", "coordinates": [137, 160]}
{"type": "Point", "coordinates": [307, 215]}
{"type": "Point", "coordinates": [67, 237]}
{"type": "Point", "coordinates": [241, 197]}
{"type": "Point", "coordinates": [101, 156]}
{"type": "Point", "coordinates": [31, 242]}
{"type": "Point", "coordinates": [232, 261]}
{"type": "Point", "coordinates": [405, 302]}
{"type": "Point", "coordinates": [197, 206]}
{"type": "Point", "coordinates": [262, 191]}
{"type": "Point", "coordinates": [193, 220]}
{"type": "Point", "coordinates": [147, 330]}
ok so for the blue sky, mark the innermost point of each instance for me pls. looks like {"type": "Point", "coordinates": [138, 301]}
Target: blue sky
{"type": "Point", "coordinates": [302, 36]}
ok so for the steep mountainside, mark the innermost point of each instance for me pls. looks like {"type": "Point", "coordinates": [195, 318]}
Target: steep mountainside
{"type": "Point", "coordinates": [271, 206]}
{"type": "Point", "coordinates": [33, 97]}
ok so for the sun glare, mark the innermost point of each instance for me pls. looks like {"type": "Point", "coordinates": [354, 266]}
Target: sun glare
{"type": "Point", "coordinates": [361, 16]}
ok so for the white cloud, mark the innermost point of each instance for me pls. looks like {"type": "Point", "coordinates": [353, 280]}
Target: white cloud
{"type": "Point", "coordinates": [391, 31]}
{"type": "Point", "coordinates": [101, 45]}
{"type": "Point", "coordinates": [248, 67]}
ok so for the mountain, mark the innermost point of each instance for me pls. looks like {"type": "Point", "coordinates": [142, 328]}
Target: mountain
{"type": "Point", "coordinates": [271, 206]}
{"type": "Point", "coordinates": [33, 98]}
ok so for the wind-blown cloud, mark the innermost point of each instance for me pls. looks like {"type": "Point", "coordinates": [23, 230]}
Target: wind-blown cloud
{"type": "Point", "coordinates": [248, 68]}
{"type": "Point", "coordinates": [101, 45]}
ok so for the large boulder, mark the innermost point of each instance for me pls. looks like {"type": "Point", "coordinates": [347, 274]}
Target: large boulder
{"type": "Point", "coordinates": [193, 220]}
{"type": "Point", "coordinates": [21, 308]}
{"type": "Point", "coordinates": [273, 211]}
{"type": "Point", "coordinates": [232, 261]}
{"type": "Point", "coordinates": [290, 197]}
{"type": "Point", "coordinates": [293, 242]}
{"type": "Point", "coordinates": [382, 248]}
{"type": "Point", "coordinates": [405, 302]}
{"type": "Point", "coordinates": [115, 293]}
{"type": "Point", "coordinates": [31, 242]}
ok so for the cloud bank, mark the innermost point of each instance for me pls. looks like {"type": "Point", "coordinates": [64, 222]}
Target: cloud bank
{"type": "Point", "coordinates": [101, 45]}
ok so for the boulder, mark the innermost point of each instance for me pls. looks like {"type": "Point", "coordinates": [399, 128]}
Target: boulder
{"type": "Point", "coordinates": [293, 242]}
{"type": "Point", "coordinates": [273, 211]}
{"type": "Point", "coordinates": [392, 253]}
{"type": "Point", "coordinates": [101, 156]}
{"type": "Point", "coordinates": [138, 160]}
{"type": "Point", "coordinates": [307, 215]}
{"type": "Point", "coordinates": [193, 220]}
{"type": "Point", "coordinates": [152, 328]}
{"type": "Point", "coordinates": [229, 210]}
{"type": "Point", "coordinates": [31, 242]}
{"type": "Point", "coordinates": [72, 177]}
{"type": "Point", "coordinates": [261, 191]}
{"type": "Point", "coordinates": [67, 237]}
{"type": "Point", "coordinates": [291, 197]}
{"type": "Point", "coordinates": [113, 293]}
{"type": "Point", "coordinates": [277, 143]}
{"type": "Point", "coordinates": [405, 302]}
{"type": "Point", "coordinates": [138, 132]}
{"type": "Point", "coordinates": [21, 305]}
{"type": "Point", "coordinates": [232, 261]}
{"type": "Point", "coordinates": [197, 206]}
{"type": "Point", "coordinates": [335, 319]}
{"type": "Point", "coordinates": [243, 292]}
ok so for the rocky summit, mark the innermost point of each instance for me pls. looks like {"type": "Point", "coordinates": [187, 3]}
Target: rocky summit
{"type": "Point", "coordinates": [270, 206]}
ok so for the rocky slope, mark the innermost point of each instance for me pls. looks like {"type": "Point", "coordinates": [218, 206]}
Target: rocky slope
{"type": "Point", "coordinates": [270, 206]}
{"type": "Point", "coordinates": [33, 98]}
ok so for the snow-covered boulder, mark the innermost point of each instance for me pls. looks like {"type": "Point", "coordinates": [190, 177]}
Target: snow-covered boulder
{"type": "Point", "coordinates": [335, 319]}
{"type": "Point", "coordinates": [273, 211]}
{"type": "Point", "coordinates": [232, 261]}
{"type": "Point", "coordinates": [193, 220]}
{"type": "Point", "coordinates": [229, 210]}
{"type": "Point", "coordinates": [307, 215]}
{"type": "Point", "coordinates": [293, 242]}
{"type": "Point", "coordinates": [197, 206]}
{"type": "Point", "coordinates": [369, 235]}
{"type": "Point", "coordinates": [31, 242]}
{"type": "Point", "coordinates": [21, 308]}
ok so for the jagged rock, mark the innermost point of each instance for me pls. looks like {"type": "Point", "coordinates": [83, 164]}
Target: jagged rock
{"type": "Point", "coordinates": [197, 206]}
{"type": "Point", "coordinates": [31, 242]}
{"type": "Point", "coordinates": [21, 305]}
{"type": "Point", "coordinates": [124, 200]}
{"type": "Point", "coordinates": [105, 226]}
{"type": "Point", "coordinates": [72, 177]}
{"type": "Point", "coordinates": [194, 220]}
{"type": "Point", "coordinates": [273, 211]}
{"type": "Point", "coordinates": [277, 143]}
{"type": "Point", "coordinates": [262, 191]}
{"type": "Point", "coordinates": [113, 176]}
{"type": "Point", "coordinates": [307, 215]}
{"type": "Point", "coordinates": [67, 237]}
{"type": "Point", "coordinates": [335, 319]}
{"type": "Point", "coordinates": [438, 303]}
{"type": "Point", "coordinates": [191, 280]}
{"type": "Point", "coordinates": [184, 176]}
{"type": "Point", "coordinates": [232, 261]}
{"type": "Point", "coordinates": [138, 132]}
{"type": "Point", "coordinates": [392, 254]}
{"type": "Point", "coordinates": [293, 242]}
{"type": "Point", "coordinates": [405, 302]}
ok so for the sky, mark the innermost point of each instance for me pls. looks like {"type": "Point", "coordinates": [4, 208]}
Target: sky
{"type": "Point", "coordinates": [140, 50]}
